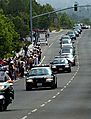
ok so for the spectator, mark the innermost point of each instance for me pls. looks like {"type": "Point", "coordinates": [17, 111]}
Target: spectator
{"type": "Point", "coordinates": [11, 69]}
{"type": "Point", "coordinates": [25, 49]}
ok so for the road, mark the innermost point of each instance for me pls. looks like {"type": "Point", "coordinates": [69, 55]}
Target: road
{"type": "Point", "coordinates": [72, 98]}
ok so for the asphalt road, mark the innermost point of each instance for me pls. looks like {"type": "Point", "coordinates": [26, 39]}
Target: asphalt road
{"type": "Point", "coordinates": [72, 98]}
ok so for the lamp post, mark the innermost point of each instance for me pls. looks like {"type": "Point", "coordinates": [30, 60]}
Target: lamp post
{"type": "Point", "coordinates": [31, 20]}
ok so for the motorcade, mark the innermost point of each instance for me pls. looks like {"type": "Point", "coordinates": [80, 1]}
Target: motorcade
{"type": "Point", "coordinates": [60, 64]}
{"type": "Point", "coordinates": [40, 76]}
{"type": "Point", "coordinates": [6, 91]}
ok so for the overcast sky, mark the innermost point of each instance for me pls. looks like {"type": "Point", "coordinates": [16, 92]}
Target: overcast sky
{"type": "Point", "coordinates": [64, 3]}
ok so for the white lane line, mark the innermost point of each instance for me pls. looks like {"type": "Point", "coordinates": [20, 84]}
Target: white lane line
{"type": "Point", "coordinates": [65, 86]}
{"type": "Point", "coordinates": [62, 89]}
{"type": "Point", "coordinates": [42, 60]}
{"type": "Point", "coordinates": [24, 117]}
{"type": "Point", "coordinates": [54, 97]}
{"type": "Point", "coordinates": [58, 93]}
{"type": "Point", "coordinates": [34, 110]}
{"type": "Point", "coordinates": [42, 105]}
{"type": "Point", "coordinates": [29, 113]}
{"type": "Point", "coordinates": [51, 44]}
{"type": "Point", "coordinates": [49, 101]}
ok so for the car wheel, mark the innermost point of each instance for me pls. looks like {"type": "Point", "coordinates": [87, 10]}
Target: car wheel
{"type": "Point", "coordinates": [69, 70]}
{"type": "Point", "coordinates": [28, 88]}
{"type": "Point", "coordinates": [56, 85]}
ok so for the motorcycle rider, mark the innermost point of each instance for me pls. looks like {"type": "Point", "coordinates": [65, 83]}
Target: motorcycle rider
{"type": "Point", "coordinates": [6, 81]}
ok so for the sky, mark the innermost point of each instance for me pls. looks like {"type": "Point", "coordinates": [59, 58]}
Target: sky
{"type": "Point", "coordinates": [59, 4]}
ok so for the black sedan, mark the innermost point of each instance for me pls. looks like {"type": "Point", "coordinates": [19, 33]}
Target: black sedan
{"type": "Point", "coordinates": [41, 76]}
{"type": "Point", "coordinates": [60, 65]}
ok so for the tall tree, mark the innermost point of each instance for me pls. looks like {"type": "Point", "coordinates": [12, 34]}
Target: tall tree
{"type": "Point", "coordinates": [7, 35]}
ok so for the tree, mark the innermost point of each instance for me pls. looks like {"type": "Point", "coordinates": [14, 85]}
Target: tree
{"type": "Point", "coordinates": [7, 35]}
{"type": "Point", "coordinates": [65, 20]}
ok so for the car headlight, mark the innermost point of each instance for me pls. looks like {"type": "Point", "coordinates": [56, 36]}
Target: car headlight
{"type": "Point", "coordinates": [1, 87]}
{"type": "Point", "coordinates": [29, 80]}
{"type": "Point", "coordinates": [49, 80]}
{"type": "Point", "coordinates": [53, 66]}
{"type": "Point", "coordinates": [1, 97]}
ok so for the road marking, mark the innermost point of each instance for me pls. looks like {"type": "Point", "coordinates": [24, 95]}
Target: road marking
{"type": "Point", "coordinates": [49, 101]}
{"type": "Point", "coordinates": [42, 105]}
{"type": "Point", "coordinates": [54, 97]}
{"type": "Point", "coordinates": [62, 89]}
{"type": "Point", "coordinates": [29, 113]}
{"type": "Point", "coordinates": [24, 117]}
{"type": "Point", "coordinates": [65, 86]}
{"type": "Point", "coordinates": [42, 60]}
{"type": "Point", "coordinates": [34, 110]}
{"type": "Point", "coordinates": [51, 44]}
{"type": "Point", "coordinates": [58, 93]}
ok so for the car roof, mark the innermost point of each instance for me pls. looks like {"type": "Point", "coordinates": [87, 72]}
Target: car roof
{"type": "Point", "coordinates": [60, 58]}
{"type": "Point", "coordinates": [41, 67]}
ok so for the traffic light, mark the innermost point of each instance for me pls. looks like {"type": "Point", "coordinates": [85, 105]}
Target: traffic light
{"type": "Point", "coordinates": [75, 7]}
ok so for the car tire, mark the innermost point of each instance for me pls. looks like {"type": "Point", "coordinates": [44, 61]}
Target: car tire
{"type": "Point", "coordinates": [28, 88]}
{"type": "Point", "coordinates": [54, 85]}
{"type": "Point", "coordinates": [69, 70]}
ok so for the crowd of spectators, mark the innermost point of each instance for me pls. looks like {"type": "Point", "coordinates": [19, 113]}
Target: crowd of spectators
{"type": "Point", "coordinates": [17, 65]}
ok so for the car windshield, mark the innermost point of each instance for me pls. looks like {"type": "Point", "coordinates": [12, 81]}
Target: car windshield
{"type": "Point", "coordinates": [38, 72]}
{"type": "Point", "coordinates": [65, 42]}
{"type": "Point", "coordinates": [70, 32]}
{"type": "Point", "coordinates": [66, 50]}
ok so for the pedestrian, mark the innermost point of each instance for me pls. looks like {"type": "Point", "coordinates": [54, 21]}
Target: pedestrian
{"type": "Point", "coordinates": [21, 69]}
{"type": "Point", "coordinates": [25, 49]}
{"type": "Point", "coordinates": [11, 69]}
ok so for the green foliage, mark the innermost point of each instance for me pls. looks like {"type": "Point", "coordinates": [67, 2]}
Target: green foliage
{"type": "Point", "coordinates": [65, 21]}
{"type": "Point", "coordinates": [7, 35]}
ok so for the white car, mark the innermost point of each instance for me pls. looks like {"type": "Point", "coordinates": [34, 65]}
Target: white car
{"type": "Point", "coordinates": [66, 42]}
{"type": "Point", "coordinates": [70, 57]}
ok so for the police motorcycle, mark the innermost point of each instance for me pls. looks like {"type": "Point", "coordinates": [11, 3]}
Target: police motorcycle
{"type": "Point", "coordinates": [6, 91]}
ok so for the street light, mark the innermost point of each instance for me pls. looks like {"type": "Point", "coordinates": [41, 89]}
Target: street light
{"type": "Point", "coordinates": [31, 19]}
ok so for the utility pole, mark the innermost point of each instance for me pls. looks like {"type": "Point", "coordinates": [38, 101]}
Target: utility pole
{"type": "Point", "coordinates": [31, 20]}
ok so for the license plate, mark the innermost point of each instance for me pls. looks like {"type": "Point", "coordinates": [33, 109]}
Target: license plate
{"type": "Point", "coordinates": [39, 84]}
{"type": "Point", "coordinates": [60, 68]}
